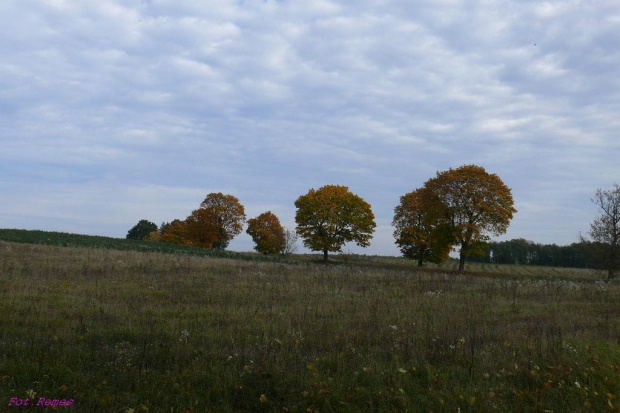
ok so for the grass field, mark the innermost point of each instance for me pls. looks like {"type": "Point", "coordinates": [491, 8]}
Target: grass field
{"type": "Point", "coordinates": [130, 331]}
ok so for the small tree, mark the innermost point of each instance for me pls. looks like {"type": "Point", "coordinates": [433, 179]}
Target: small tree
{"type": "Point", "coordinates": [267, 233]}
{"type": "Point", "coordinates": [218, 220]}
{"type": "Point", "coordinates": [153, 236]}
{"type": "Point", "coordinates": [290, 242]}
{"type": "Point", "coordinates": [141, 230]}
{"type": "Point", "coordinates": [473, 203]}
{"type": "Point", "coordinates": [603, 247]}
{"type": "Point", "coordinates": [419, 231]}
{"type": "Point", "coordinates": [329, 217]}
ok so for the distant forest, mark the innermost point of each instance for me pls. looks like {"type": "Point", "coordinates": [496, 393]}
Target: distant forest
{"type": "Point", "coordinates": [524, 252]}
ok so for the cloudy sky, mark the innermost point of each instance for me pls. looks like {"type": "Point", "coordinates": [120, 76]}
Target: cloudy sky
{"type": "Point", "coordinates": [119, 110]}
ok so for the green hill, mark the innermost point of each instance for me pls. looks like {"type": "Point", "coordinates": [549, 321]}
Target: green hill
{"type": "Point", "coordinates": [379, 262]}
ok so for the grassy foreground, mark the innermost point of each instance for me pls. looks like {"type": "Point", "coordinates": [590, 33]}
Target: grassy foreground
{"type": "Point", "coordinates": [126, 331]}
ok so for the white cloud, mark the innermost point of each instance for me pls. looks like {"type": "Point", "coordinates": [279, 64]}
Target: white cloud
{"type": "Point", "coordinates": [267, 99]}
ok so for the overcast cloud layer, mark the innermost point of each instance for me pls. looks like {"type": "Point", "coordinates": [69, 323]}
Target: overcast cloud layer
{"type": "Point", "coordinates": [115, 111]}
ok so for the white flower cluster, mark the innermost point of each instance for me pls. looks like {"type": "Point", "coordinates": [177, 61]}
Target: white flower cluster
{"type": "Point", "coordinates": [184, 336]}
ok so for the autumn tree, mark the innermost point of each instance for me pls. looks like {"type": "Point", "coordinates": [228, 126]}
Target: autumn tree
{"type": "Point", "coordinates": [603, 245]}
{"type": "Point", "coordinates": [419, 230]}
{"type": "Point", "coordinates": [218, 220]}
{"type": "Point", "coordinates": [153, 236]}
{"type": "Point", "coordinates": [174, 232]}
{"type": "Point", "coordinates": [202, 229]}
{"type": "Point", "coordinates": [290, 241]}
{"type": "Point", "coordinates": [330, 216]}
{"type": "Point", "coordinates": [141, 230]}
{"type": "Point", "coordinates": [267, 233]}
{"type": "Point", "coordinates": [474, 204]}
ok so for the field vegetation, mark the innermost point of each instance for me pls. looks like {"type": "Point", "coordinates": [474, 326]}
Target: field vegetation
{"type": "Point", "coordinates": [133, 331]}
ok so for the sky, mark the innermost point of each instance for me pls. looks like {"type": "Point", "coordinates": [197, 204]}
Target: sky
{"type": "Point", "coordinates": [121, 110]}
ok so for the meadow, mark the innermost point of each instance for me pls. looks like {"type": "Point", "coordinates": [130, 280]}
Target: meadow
{"type": "Point", "coordinates": [131, 331]}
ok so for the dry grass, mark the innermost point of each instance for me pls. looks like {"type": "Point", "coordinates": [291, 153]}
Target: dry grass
{"type": "Point", "coordinates": [117, 331]}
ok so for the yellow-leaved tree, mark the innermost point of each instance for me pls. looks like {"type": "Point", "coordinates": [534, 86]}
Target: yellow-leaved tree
{"type": "Point", "coordinates": [473, 204]}
{"type": "Point", "coordinates": [267, 233]}
{"type": "Point", "coordinates": [332, 215]}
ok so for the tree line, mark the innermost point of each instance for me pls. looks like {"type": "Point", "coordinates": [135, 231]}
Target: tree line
{"type": "Point", "coordinates": [458, 209]}
{"type": "Point", "coordinates": [598, 249]}
{"type": "Point", "coordinates": [524, 252]}
{"type": "Point", "coordinates": [215, 223]}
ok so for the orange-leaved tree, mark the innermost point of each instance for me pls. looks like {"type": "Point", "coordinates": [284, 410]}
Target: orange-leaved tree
{"type": "Point", "coordinates": [419, 229]}
{"type": "Point", "coordinates": [267, 233]}
{"type": "Point", "coordinates": [332, 215]}
{"type": "Point", "coordinates": [218, 220]}
{"type": "Point", "coordinates": [174, 232]}
{"type": "Point", "coordinates": [473, 203]}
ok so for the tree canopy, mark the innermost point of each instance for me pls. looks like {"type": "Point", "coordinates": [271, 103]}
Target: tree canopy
{"type": "Point", "coordinates": [174, 232]}
{"type": "Point", "coordinates": [474, 204]}
{"type": "Point", "coordinates": [141, 230]}
{"type": "Point", "coordinates": [218, 220]}
{"type": "Point", "coordinates": [419, 231]}
{"type": "Point", "coordinates": [458, 207]}
{"type": "Point", "coordinates": [332, 215]}
{"type": "Point", "coordinates": [267, 233]}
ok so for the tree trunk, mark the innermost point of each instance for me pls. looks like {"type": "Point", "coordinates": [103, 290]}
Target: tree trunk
{"type": "Point", "coordinates": [613, 255]}
{"type": "Point", "coordinates": [462, 261]}
{"type": "Point", "coordinates": [420, 262]}
{"type": "Point", "coordinates": [325, 254]}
